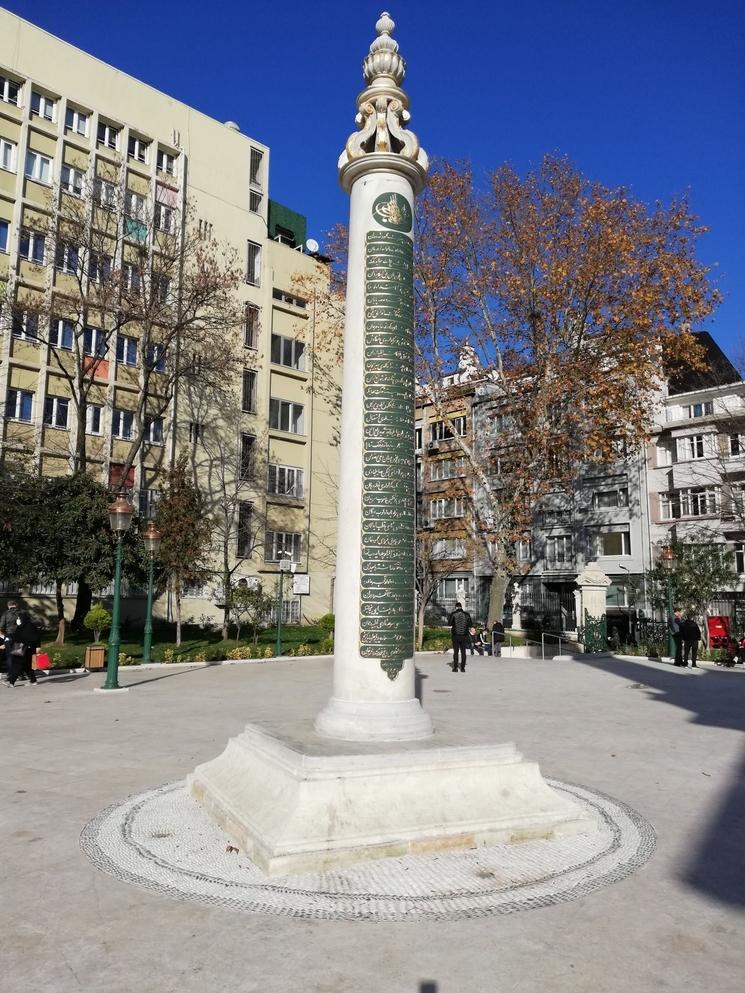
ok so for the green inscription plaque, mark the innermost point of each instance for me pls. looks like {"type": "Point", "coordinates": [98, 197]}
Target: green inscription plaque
{"type": "Point", "coordinates": [387, 599]}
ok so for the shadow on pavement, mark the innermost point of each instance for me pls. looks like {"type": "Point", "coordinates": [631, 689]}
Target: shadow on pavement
{"type": "Point", "coordinates": [716, 699]}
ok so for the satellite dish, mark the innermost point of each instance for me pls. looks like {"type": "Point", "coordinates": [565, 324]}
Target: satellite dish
{"type": "Point", "coordinates": [312, 245]}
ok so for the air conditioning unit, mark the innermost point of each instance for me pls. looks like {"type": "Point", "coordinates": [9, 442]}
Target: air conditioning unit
{"type": "Point", "coordinates": [425, 524]}
{"type": "Point", "coordinates": [433, 446]}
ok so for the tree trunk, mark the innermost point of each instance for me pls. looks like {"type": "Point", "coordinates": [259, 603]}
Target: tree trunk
{"type": "Point", "coordinates": [226, 597]}
{"type": "Point", "coordinates": [237, 632]}
{"type": "Point", "coordinates": [60, 640]}
{"type": "Point", "coordinates": [497, 590]}
{"type": "Point", "coordinates": [177, 592]}
{"type": "Point", "coordinates": [420, 623]}
{"type": "Point", "coordinates": [82, 604]}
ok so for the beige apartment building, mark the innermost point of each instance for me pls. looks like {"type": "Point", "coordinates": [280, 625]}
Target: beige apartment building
{"type": "Point", "coordinates": [78, 134]}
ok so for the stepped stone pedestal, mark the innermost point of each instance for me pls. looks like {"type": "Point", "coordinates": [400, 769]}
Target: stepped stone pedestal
{"type": "Point", "coordinates": [370, 779]}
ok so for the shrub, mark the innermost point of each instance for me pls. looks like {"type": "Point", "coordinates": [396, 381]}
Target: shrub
{"type": "Point", "coordinates": [200, 657]}
{"type": "Point", "coordinates": [126, 659]}
{"type": "Point", "coordinates": [268, 652]}
{"type": "Point", "coordinates": [169, 655]}
{"type": "Point", "coordinates": [326, 647]}
{"type": "Point", "coordinates": [241, 652]}
{"type": "Point", "coordinates": [97, 620]}
{"type": "Point", "coordinates": [327, 622]}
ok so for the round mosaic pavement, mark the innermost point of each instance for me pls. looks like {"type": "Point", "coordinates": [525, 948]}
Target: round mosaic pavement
{"type": "Point", "coordinates": [162, 840]}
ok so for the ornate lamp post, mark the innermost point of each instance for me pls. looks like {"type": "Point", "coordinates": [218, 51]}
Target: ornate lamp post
{"type": "Point", "coordinates": [120, 518]}
{"type": "Point", "coordinates": [668, 559]}
{"type": "Point", "coordinates": [152, 538]}
{"type": "Point", "coordinates": [285, 565]}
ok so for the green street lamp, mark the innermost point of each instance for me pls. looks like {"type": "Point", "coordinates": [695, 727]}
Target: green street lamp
{"type": "Point", "coordinates": [152, 538]}
{"type": "Point", "coordinates": [285, 565]}
{"type": "Point", "coordinates": [120, 518]}
{"type": "Point", "coordinates": [667, 559]}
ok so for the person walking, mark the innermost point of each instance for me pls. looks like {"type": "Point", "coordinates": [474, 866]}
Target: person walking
{"type": "Point", "coordinates": [7, 627]}
{"type": "Point", "coordinates": [674, 624]}
{"type": "Point", "coordinates": [459, 622]}
{"type": "Point", "coordinates": [497, 638]}
{"type": "Point", "coordinates": [26, 640]}
{"type": "Point", "coordinates": [691, 634]}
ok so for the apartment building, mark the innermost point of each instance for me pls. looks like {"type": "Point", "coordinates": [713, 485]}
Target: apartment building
{"type": "Point", "coordinates": [79, 135]}
{"type": "Point", "coordinates": [687, 483]}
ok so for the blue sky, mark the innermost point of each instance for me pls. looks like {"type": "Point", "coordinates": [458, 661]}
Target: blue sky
{"type": "Point", "coordinates": [649, 93]}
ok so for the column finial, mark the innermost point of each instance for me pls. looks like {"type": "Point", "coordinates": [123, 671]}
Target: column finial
{"type": "Point", "coordinates": [382, 116]}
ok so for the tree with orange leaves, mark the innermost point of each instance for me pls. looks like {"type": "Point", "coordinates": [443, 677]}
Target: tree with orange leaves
{"type": "Point", "coordinates": [578, 298]}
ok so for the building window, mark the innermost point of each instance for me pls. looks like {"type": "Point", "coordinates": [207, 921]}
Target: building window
{"type": "Point", "coordinates": [251, 327]}
{"type": "Point", "coordinates": [558, 550]}
{"type": "Point", "coordinates": [4, 235]}
{"type": "Point", "coordinates": [94, 342]}
{"type": "Point", "coordinates": [122, 422]}
{"type": "Point", "coordinates": [138, 149]}
{"type": "Point", "coordinates": [253, 264]}
{"type": "Point", "coordinates": [72, 180]}
{"type": "Point", "coordinates": [288, 352]}
{"type": "Point", "coordinates": [126, 350]}
{"type": "Point", "coordinates": [255, 171]}
{"type": "Point", "coordinates": [248, 398]}
{"type": "Point", "coordinates": [165, 218]}
{"type": "Point", "coordinates": [62, 333]}
{"type": "Point", "coordinates": [286, 416]}
{"type": "Point", "coordinates": [104, 193]}
{"type": "Point", "coordinates": [131, 277]}
{"type": "Point", "coordinates": [245, 543]}
{"type": "Point", "coordinates": [7, 155]}
{"type": "Point", "coordinates": [441, 431]}
{"type": "Point", "coordinates": [25, 325]}
{"type": "Point", "coordinates": [448, 548]}
{"type": "Point", "coordinates": [440, 469]}
{"type": "Point", "coordinates": [19, 405]}
{"type": "Point", "coordinates": [284, 297]}
{"type": "Point", "coordinates": [99, 267]}
{"type": "Point", "coordinates": [55, 411]}
{"type": "Point", "coordinates": [76, 120]}
{"type": "Point", "coordinates": [740, 558]}
{"type": "Point", "coordinates": [613, 542]}
{"type": "Point", "coordinates": [108, 136]}
{"type": "Point", "coordinates": [285, 480]}
{"type": "Point", "coordinates": [67, 258]}
{"type": "Point", "coordinates": [156, 357]}
{"type": "Point", "coordinates": [31, 246]}
{"type": "Point", "coordinates": [248, 450]}
{"type": "Point", "coordinates": [93, 418]}
{"type": "Point", "coordinates": [43, 106]}
{"type": "Point", "coordinates": [134, 205]}
{"type": "Point", "coordinates": [254, 201]}
{"type": "Point", "coordinates": [38, 167]}
{"type": "Point", "coordinates": [737, 444]}
{"type": "Point", "coordinates": [166, 162]}
{"type": "Point", "coordinates": [524, 550]}
{"type": "Point", "coordinates": [704, 409]}
{"type": "Point", "coordinates": [154, 430]}
{"type": "Point", "coordinates": [690, 448]}
{"type": "Point", "coordinates": [9, 90]}
{"type": "Point", "coordinates": [695, 502]}
{"type": "Point", "coordinates": [445, 507]}
{"type": "Point", "coordinates": [282, 545]}
{"type": "Point", "coordinates": [204, 230]}
{"type": "Point", "coordinates": [196, 430]}
{"type": "Point", "coordinates": [610, 499]}
{"type": "Point", "coordinates": [161, 285]}
{"type": "Point", "coordinates": [453, 590]}
{"type": "Point", "coordinates": [418, 438]}
{"type": "Point", "coordinates": [148, 502]}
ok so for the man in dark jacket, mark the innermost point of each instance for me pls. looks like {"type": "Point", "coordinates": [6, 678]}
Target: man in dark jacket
{"type": "Point", "coordinates": [674, 624]}
{"type": "Point", "coordinates": [7, 627]}
{"type": "Point", "coordinates": [459, 622]}
{"type": "Point", "coordinates": [26, 641]}
{"type": "Point", "coordinates": [691, 634]}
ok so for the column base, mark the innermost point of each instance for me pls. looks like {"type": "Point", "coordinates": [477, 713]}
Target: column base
{"type": "Point", "coordinates": [389, 720]}
{"type": "Point", "coordinates": [296, 803]}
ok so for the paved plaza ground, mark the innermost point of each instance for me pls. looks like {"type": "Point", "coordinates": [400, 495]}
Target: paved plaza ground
{"type": "Point", "coordinates": [667, 742]}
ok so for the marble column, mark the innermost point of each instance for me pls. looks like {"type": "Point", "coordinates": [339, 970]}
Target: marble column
{"type": "Point", "coordinates": [382, 168]}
